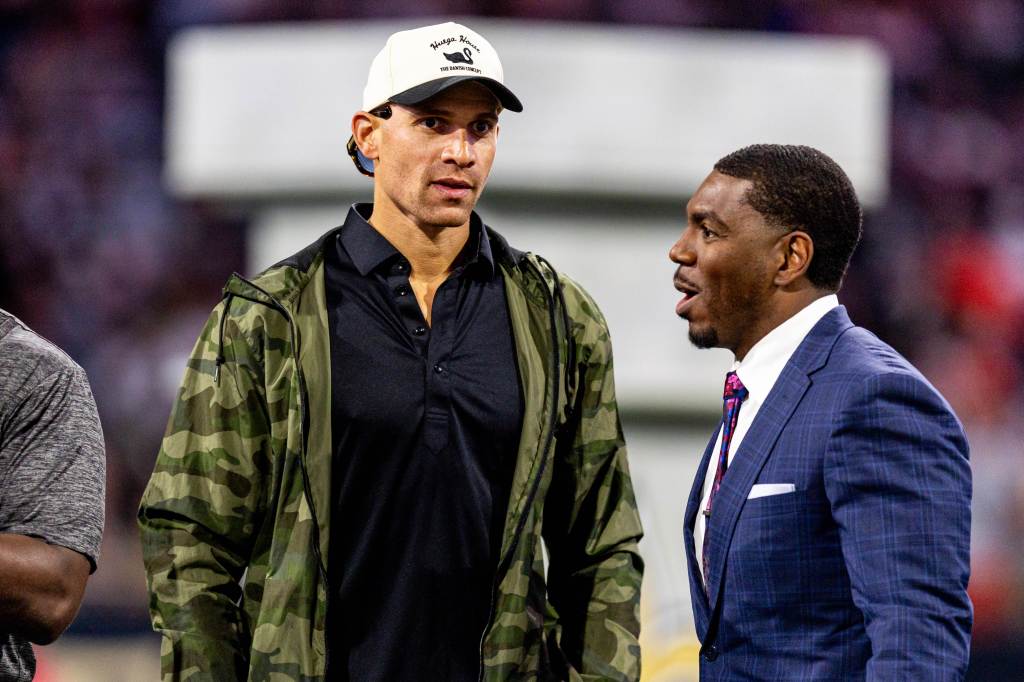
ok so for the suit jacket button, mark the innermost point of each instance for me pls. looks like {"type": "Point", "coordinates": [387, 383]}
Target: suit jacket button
{"type": "Point", "coordinates": [711, 653]}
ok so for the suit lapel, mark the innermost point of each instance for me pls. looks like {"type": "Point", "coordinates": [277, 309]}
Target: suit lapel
{"type": "Point", "coordinates": [752, 454]}
{"type": "Point", "coordinates": [700, 602]}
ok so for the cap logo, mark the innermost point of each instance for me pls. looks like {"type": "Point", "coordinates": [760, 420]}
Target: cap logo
{"type": "Point", "coordinates": [445, 42]}
{"type": "Point", "coordinates": [464, 57]}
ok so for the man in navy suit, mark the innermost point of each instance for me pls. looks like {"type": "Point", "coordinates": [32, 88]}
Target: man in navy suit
{"type": "Point", "coordinates": [827, 531]}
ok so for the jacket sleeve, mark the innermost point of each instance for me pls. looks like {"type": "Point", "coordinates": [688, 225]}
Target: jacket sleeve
{"type": "Point", "coordinates": [202, 506]}
{"type": "Point", "coordinates": [899, 483]}
{"type": "Point", "coordinates": [591, 524]}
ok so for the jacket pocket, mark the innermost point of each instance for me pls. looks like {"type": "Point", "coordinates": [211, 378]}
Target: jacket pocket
{"type": "Point", "coordinates": [781, 546]}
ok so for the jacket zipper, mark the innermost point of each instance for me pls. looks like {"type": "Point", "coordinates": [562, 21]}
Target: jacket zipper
{"type": "Point", "coordinates": [503, 564]}
{"type": "Point", "coordinates": [274, 304]}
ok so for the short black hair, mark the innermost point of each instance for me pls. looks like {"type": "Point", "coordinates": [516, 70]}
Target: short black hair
{"type": "Point", "coordinates": [800, 188]}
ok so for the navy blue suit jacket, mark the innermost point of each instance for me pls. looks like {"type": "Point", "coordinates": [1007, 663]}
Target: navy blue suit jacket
{"type": "Point", "coordinates": [861, 573]}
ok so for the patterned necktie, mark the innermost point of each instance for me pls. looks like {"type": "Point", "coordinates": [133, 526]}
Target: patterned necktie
{"type": "Point", "coordinates": [733, 396]}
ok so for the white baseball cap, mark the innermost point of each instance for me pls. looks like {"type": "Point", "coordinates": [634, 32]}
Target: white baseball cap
{"type": "Point", "coordinates": [417, 64]}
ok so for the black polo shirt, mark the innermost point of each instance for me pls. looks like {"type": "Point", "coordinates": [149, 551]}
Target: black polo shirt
{"type": "Point", "coordinates": [425, 424]}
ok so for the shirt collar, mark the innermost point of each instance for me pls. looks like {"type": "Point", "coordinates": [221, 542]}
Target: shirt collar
{"type": "Point", "coordinates": [368, 248]}
{"type": "Point", "coordinates": [764, 362]}
{"type": "Point", "coordinates": [479, 256]}
{"type": "Point", "coordinates": [365, 245]}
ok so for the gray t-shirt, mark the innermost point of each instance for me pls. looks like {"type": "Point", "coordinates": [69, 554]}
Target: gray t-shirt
{"type": "Point", "coordinates": [52, 469]}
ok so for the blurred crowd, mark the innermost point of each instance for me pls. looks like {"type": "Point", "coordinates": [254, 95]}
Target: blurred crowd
{"type": "Point", "coordinates": [95, 255]}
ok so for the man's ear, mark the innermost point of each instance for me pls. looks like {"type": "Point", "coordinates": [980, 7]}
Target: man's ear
{"type": "Point", "coordinates": [797, 250]}
{"type": "Point", "coordinates": [364, 126]}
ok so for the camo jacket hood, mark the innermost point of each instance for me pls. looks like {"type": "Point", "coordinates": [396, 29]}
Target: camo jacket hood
{"type": "Point", "coordinates": [234, 521]}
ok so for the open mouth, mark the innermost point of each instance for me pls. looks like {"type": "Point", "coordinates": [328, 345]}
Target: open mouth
{"type": "Point", "coordinates": [689, 292]}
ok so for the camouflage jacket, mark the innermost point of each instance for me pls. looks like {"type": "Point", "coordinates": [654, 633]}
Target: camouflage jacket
{"type": "Point", "coordinates": [234, 521]}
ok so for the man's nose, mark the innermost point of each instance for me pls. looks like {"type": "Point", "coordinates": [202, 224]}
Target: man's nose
{"type": "Point", "coordinates": [458, 149]}
{"type": "Point", "coordinates": [681, 252]}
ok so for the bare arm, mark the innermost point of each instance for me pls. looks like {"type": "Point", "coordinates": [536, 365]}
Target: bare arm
{"type": "Point", "coordinates": [41, 587]}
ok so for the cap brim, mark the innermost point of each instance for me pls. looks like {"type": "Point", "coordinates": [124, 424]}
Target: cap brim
{"type": "Point", "coordinates": [425, 91]}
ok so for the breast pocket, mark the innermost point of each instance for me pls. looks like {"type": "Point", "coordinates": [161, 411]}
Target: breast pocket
{"type": "Point", "coordinates": [781, 546]}
{"type": "Point", "coordinates": [773, 525]}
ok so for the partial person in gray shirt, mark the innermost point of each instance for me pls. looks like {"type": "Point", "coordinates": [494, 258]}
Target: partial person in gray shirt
{"type": "Point", "coordinates": [51, 493]}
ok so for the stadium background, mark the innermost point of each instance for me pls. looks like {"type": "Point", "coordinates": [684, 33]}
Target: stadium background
{"type": "Point", "coordinates": [98, 254]}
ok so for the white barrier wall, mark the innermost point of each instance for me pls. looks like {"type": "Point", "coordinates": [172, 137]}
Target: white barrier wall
{"type": "Point", "coordinates": [617, 111]}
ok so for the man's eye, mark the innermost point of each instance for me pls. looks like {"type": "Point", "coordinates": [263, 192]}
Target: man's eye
{"type": "Point", "coordinates": [430, 123]}
{"type": "Point", "coordinates": [705, 232]}
{"type": "Point", "coordinates": [482, 127]}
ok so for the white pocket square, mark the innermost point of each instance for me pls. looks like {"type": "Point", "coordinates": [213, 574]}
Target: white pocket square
{"type": "Point", "coordinates": [766, 489]}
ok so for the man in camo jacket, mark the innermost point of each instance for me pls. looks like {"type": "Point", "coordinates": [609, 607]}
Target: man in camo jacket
{"type": "Point", "coordinates": [375, 437]}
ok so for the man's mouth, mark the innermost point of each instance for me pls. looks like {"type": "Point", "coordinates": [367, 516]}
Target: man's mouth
{"type": "Point", "coordinates": [689, 291]}
{"type": "Point", "coordinates": [452, 188]}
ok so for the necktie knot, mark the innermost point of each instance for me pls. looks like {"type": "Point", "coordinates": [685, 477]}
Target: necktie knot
{"type": "Point", "coordinates": [734, 388]}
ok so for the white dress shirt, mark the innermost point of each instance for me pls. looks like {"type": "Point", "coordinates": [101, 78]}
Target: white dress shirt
{"type": "Point", "coordinates": [759, 371]}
